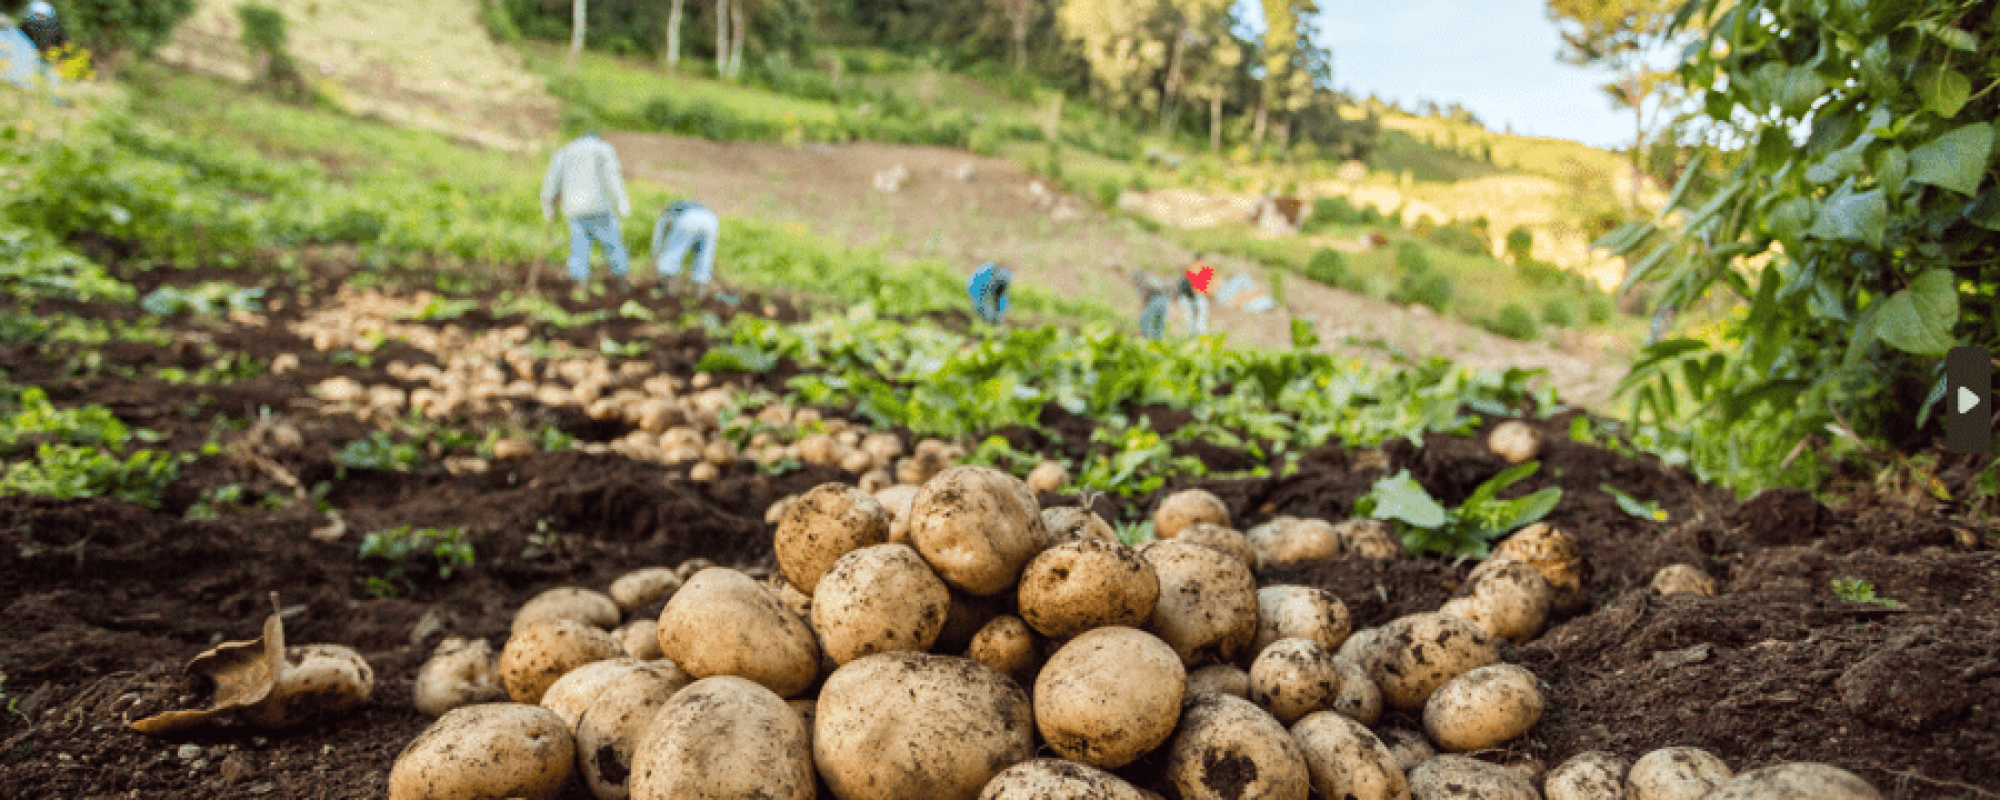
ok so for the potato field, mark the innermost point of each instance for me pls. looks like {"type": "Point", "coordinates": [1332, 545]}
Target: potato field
{"type": "Point", "coordinates": [383, 538]}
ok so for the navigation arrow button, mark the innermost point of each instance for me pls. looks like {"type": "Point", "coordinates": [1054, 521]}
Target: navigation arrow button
{"type": "Point", "coordinates": [1967, 401]}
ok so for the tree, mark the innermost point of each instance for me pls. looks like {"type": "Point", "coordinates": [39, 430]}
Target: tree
{"type": "Point", "coordinates": [1120, 43]}
{"type": "Point", "coordinates": [1294, 64]}
{"type": "Point", "coordinates": [1618, 36]}
{"type": "Point", "coordinates": [1021, 16]}
{"type": "Point", "coordinates": [673, 55]}
{"type": "Point", "coordinates": [109, 28]}
{"type": "Point", "coordinates": [578, 19]}
{"type": "Point", "coordinates": [1192, 23]}
{"type": "Point", "coordinates": [721, 38]}
{"type": "Point", "coordinates": [738, 23]}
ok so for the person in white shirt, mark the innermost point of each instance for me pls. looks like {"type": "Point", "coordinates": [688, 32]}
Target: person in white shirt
{"type": "Point", "coordinates": [584, 175]}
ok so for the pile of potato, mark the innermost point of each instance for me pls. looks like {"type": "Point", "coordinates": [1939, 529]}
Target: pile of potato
{"type": "Point", "coordinates": [955, 641]}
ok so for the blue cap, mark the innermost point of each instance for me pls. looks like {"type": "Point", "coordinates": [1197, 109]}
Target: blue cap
{"type": "Point", "coordinates": [40, 8]}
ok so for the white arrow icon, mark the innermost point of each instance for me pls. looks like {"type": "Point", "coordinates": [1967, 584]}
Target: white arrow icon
{"type": "Point", "coordinates": [1966, 400]}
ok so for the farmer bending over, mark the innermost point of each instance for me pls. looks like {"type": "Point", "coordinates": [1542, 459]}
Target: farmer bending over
{"type": "Point", "coordinates": [21, 49]}
{"type": "Point", "coordinates": [1155, 294]}
{"type": "Point", "coordinates": [1194, 293]}
{"type": "Point", "coordinates": [988, 289]}
{"type": "Point", "coordinates": [586, 176]}
{"type": "Point", "coordinates": [683, 226]}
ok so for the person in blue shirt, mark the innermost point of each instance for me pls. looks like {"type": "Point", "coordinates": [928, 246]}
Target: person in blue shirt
{"type": "Point", "coordinates": [585, 179]}
{"type": "Point", "coordinates": [42, 27]}
{"type": "Point", "coordinates": [21, 61]}
{"type": "Point", "coordinates": [683, 227]}
{"type": "Point", "coordinates": [988, 288]}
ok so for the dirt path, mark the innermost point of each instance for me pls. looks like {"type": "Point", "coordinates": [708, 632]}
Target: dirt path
{"type": "Point", "coordinates": [995, 214]}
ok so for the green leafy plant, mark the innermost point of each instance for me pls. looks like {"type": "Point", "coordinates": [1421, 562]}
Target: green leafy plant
{"type": "Point", "coordinates": [1633, 506]}
{"type": "Point", "coordinates": [1140, 461]}
{"type": "Point", "coordinates": [379, 451]}
{"type": "Point", "coordinates": [68, 472]}
{"type": "Point", "coordinates": [406, 549]}
{"type": "Point", "coordinates": [1858, 591]}
{"type": "Point", "coordinates": [1513, 321]}
{"type": "Point", "coordinates": [1328, 267]}
{"type": "Point", "coordinates": [1468, 530]}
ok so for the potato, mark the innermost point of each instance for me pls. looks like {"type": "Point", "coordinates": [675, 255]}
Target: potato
{"type": "Point", "coordinates": [876, 480]}
{"type": "Point", "coordinates": [1414, 655]}
{"type": "Point", "coordinates": [1073, 522]}
{"type": "Point", "coordinates": [1221, 679]}
{"type": "Point", "coordinates": [459, 673]}
{"type": "Point", "coordinates": [688, 568]}
{"type": "Point", "coordinates": [1506, 599]}
{"type": "Point", "coordinates": [775, 513]}
{"type": "Point", "coordinates": [1300, 612]}
{"type": "Point", "coordinates": [703, 472]}
{"type": "Point", "coordinates": [613, 724]}
{"type": "Point", "coordinates": [640, 588]}
{"type": "Point", "coordinates": [819, 449]}
{"type": "Point", "coordinates": [572, 692]}
{"type": "Point", "coordinates": [641, 639]}
{"type": "Point", "coordinates": [492, 750]}
{"type": "Point", "coordinates": [1185, 508]}
{"type": "Point", "coordinates": [1208, 602]}
{"type": "Point", "coordinates": [1461, 778]}
{"type": "Point", "coordinates": [855, 462]}
{"type": "Point", "coordinates": [539, 654]}
{"type": "Point", "coordinates": [1357, 644]}
{"type": "Point", "coordinates": [1048, 477]}
{"type": "Point", "coordinates": [722, 623]}
{"type": "Point", "coordinates": [511, 449]}
{"type": "Point", "coordinates": [720, 453]}
{"type": "Point", "coordinates": [978, 527]}
{"type": "Point", "coordinates": [1676, 773]}
{"type": "Point", "coordinates": [882, 446]}
{"type": "Point", "coordinates": [1290, 543]}
{"type": "Point", "coordinates": [912, 726]}
{"type": "Point", "coordinates": [1683, 579]}
{"type": "Point", "coordinates": [723, 738]}
{"type": "Point", "coordinates": [1796, 780]}
{"type": "Point", "coordinates": [318, 682]}
{"type": "Point", "coordinates": [966, 617]}
{"type": "Point", "coordinates": [824, 524]}
{"type": "Point", "coordinates": [1109, 695]}
{"type": "Point", "coordinates": [1227, 748]}
{"type": "Point", "coordinates": [1557, 556]}
{"type": "Point", "coordinates": [1483, 708]}
{"type": "Point", "coordinates": [1052, 779]}
{"type": "Point", "coordinates": [799, 602]}
{"type": "Point", "coordinates": [1007, 646]}
{"type": "Point", "coordinates": [1293, 678]}
{"type": "Point", "coordinates": [1409, 747]}
{"type": "Point", "coordinates": [1368, 538]}
{"type": "Point", "coordinates": [896, 500]}
{"type": "Point", "coordinates": [1084, 584]}
{"type": "Point", "coordinates": [1515, 441]}
{"type": "Point", "coordinates": [577, 604]}
{"type": "Point", "coordinates": [1359, 699]}
{"type": "Point", "coordinates": [877, 599]}
{"type": "Point", "coordinates": [1230, 542]}
{"type": "Point", "coordinates": [1590, 775]}
{"type": "Point", "coordinates": [1346, 761]}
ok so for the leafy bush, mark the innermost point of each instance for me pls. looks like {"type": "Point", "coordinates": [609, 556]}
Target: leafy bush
{"type": "Point", "coordinates": [1328, 267]}
{"type": "Point", "coordinates": [1411, 258]}
{"type": "Point", "coordinates": [1108, 192]}
{"type": "Point", "coordinates": [1600, 309]}
{"type": "Point", "coordinates": [1513, 321]}
{"type": "Point", "coordinates": [1335, 210]}
{"type": "Point", "coordinates": [118, 26]}
{"type": "Point", "coordinates": [1458, 236]}
{"type": "Point", "coordinates": [1419, 284]}
{"type": "Point", "coordinates": [1520, 245]}
{"type": "Point", "coordinates": [1558, 313]}
{"type": "Point", "coordinates": [1465, 531]}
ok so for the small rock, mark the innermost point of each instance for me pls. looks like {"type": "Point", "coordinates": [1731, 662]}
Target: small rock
{"type": "Point", "coordinates": [236, 769]}
{"type": "Point", "coordinates": [188, 752]}
{"type": "Point", "coordinates": [262, 788]}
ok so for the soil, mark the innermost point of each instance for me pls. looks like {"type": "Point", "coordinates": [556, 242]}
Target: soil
{"type": "Point", "coordinates": [102, 602]}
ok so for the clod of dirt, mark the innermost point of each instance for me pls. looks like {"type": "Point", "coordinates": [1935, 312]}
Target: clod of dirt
{"type": "Point", "coordinates": [1781, 517]}
{"type": "Point", "coordinates": [1910, 683]}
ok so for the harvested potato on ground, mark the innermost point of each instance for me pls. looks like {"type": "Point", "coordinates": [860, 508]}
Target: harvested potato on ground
{"type": "Point", "coordinates": [912, 726]}
{"type": "Point", "coordinates": [614, 723]}
{"type": "Point", "coordinates": [1676, 773]}
{"type": "Point", "coordinates": [723, 737]}
{"type": "Point", "coordinates": [1084, 584]}
{"type": "Point", "coordinates": [703, 472]}
{"type": "Point", "coordinates": [1683, 579]}
{"type": "Point", "coordinates": [883, 447]}
{"type": "Point", "coordinates": [896, 500]}
{"type": "Point", "coordinates": [877, 599]}
{"type": "Point", "coordinates": [1414, 655]}
{"type": "Point", "coordinates": [1300, 612]}
{"type": "Point", "coordinates": [572, 692]}
{"type": "Point", "coordinates": [1514, 440]}
{"type": "Point", "coordinates": [799, 602]}
{"type": "Point", "coordinates": [1359, 699]}
{"type": "Point", "coordinates": [1186, 508]}
{"type": "Point", "coordinates": [640, 588]}
{"type": "Point", "coordinates": [824, 524]}
{"type": "Point", "coordinates": [459, 673]}
{"type": "Point", "coordinates": [1295, 543]}
{"type": "Point", "coordinates": [641, 639]}
{"type": "Point", "coordinates": [1007, 645]}
{"type": "Point", "coordinates": [317, 682]}
{"type": "Point", "coordinates": [595, 609]}
{"type": "Point", "coordinates": [1461, 778]}
{"type": "Point", "coordinates": [688, 568]}
{"type": "Point", "coordinates": [1556, 556]}
{"type": "Point", "coordinates": [966, 617]}
{"type": "Point", "coordinates": [1054, 779]}
{"type": "Point", "coordinates": [1208, 602]}
{"type": "Point", "coordinates": [1109, 695]}
{"type": "Point", "coordinates": [1230, 542]}
{"type": "Point", "coordinates": [855, 462]}
{"type": "Point", "coordinates": [539, 654]}
{"type": "Point", "coordinates": [1506, 599]}
{"type": "Point", "coordinates": [1796, 780]}
{"type": "Point", "coordinates": [1227, 748]}
{"type": "Point", "coordinates": [1590, 775]}
{"type": "Point", "coordinates": [493, 750]}
{"type": "Point", "coordinates": [1483, 708]}
{"type": "Point", "coordinates": [1368, 538]}
{"type": "Point", "coordinates": [1346, 761]}
{"type": "Point", "coordinates": [1409, 747]}
{"type": "Point", "coordinates": [512, 449]}
{"type": "Point", "coordinates": [776, 512]}
{"type": "Point", "coordinates": [978, 527]}
{"type": "Point", "coordinates": [1357, 644]}
{"type": "Point", "coordinates": [1293, 678]}
{"type": "Point", "coordinates": [722, 622]}
{"type": "Point", "coordinates": [720, 453]}
{"type": "Point", "coordinates": [1075, 522]}
{"type": "Point", "coordinates": [819, 449]}
{"type": "Point", "coordinates": [1048, 477]}
{"type": "Point", "coordinates": [1221, 679]}
{"type": "Point", "coordinates": [873, 481]}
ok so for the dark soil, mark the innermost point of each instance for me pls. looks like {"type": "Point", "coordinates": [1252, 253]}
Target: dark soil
{"type": "Point", "coordinates": [102, 602]}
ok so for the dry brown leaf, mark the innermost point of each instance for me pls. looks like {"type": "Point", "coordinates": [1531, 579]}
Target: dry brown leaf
{"type": "Point", "coordinates": [243, 673]}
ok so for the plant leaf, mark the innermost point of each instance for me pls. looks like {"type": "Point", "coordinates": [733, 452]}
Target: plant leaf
{"type": "Point", "coordinates": [1401, 498]}
{"type": "Point", "coordinates": [1956, 160]}
{"type": "Point", "coordinates": [1944, 90]}
{"type": "Point", "coordinates": [1919, 319]}
{"type": "Point", "coordinates": [1847, 215]}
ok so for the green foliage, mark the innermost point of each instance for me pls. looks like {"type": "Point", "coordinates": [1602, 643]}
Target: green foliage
{"type": "Point", "coordinates": [1328, 267]}
{"type": "Point", "coordinates": [380, 452]}
{"type": "Point", "coordinates": [33, 266]}
{"type": "Point", "coordinates": [118, 26]}
{"type": "Point", "coordinates": [1419, 283]}
{"type": "Point", "coordinates": [1558, 313]}
{"type": "Point", "coordinates": [447, 550]}
{"type": "Point", "coordinates": [1514, 321]}
{"type": "Point", "coordinates": [1520, 245]}
{"type": "Point", "coordinates": [206, 299]}
{"type": "Point", "coordinates": [1139, 461]}
{"type": "Point", "coordinates": [1458, 236]}
{"type": "Point", "coordinates": [1335, 210]}
{"type": "Point", "coordinates": [1632, 505]}
{"type": "Point", "coordinates": [263, 28]}
{"type": "Point", "coordinates": [1468, 530]}
{"type": "Point", "coordinates": [69, 472]}
{"type": "Point", "coordinates": [499, 23]}
{"type": "Point", "coordinates": [1858, 591]}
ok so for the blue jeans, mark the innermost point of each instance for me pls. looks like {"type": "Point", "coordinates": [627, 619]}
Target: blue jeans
{"type": "Point", "coordinates": [1197, 313]}
{"type": "Point", "coordinates": [1153, 321]}
{"type": "Point", "coordinates": [599, 228]}
{"type": "Point", "coordinates": [695, 228]}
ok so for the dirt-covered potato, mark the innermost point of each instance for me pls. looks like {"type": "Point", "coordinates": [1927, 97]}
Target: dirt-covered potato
{"type": "Point", "coordinates": [1514, 440]}
{"type": "Point", "coordinates": [1556, 555]}
{"type": "Point", "coordinates": [967, 616]}
{"type": "Point", "coordinates": [819, 449]}
{"type": "Point", "coordinates": [912, 726]}
{"type": "Point", "coordinates": [1109, 695]}
{"type": "Point", "coordinates": [614, 722]}
{"type": "Point", "coordinates": [1346, 761]}
{"type": "Point", "coordinates": [1208, 602]}
{"type": "Point", "coordinates": [595, 609]}
{"type": "Point", "coordinates": [572, 692]}
{"type": "Point", "coordinates": [1357, 644]}
{"type": "Point", "coordinates": [1368, 538]}
{"type": "Point", "coordinates": [1048, 477]}
{"type": "Point", "coordinates": [1359, 699]}
{"type": "Point", "coordinates": [877, 599]}
{"type": "Point", "coordinates": [1006, 645]}
{"type": "Point", "coordinates": [539, 654]}
{"type": "Point", "coordinates": [1683, 579]}
{"type": "Point", "coordinates": [459, 673]}
{"type": "Point", "coordinates": [723, 737]}
{"type": "Point", "coordinates": [1461, 778]}
{"type": "Point", "coordinates": [1414, 655]}
{"type": "Point", "coordinates": [1186, 508]}
{"type": "Point", "coordinates": [874, 481]}
{"type": "Point", "coordinates": [1506, 599]}
{"type": "Point", "coordinates": [1293, 678]}
{"type": "Point", "coordinates": [799, 602]}
{"type": "Point", "coordinates": [1409, 747]}
{"type": "Point", "coordinates": [641, 639]}
{"type": "Point", "coordinates": [883, 447]}
{"type": "Point", "coordinates": [896, 500]}
{"type": "Point", "coordinates": [1229, 541]}
{"type": "Point", "coordinates": [1054, 779]}
{"type": "Point", "coordinates": [1589, 775]}
{"type": "Point", "coordinates": [643, 587]}
{"type": "Point", "coordinates": [512, 449]}
{"type": "Point", "coordinates": [855, 462]}
{"type": "Point", "coordinates": [1676, 773]}
{"type": "Point", "coordinates": [1287, 542]}
{"type": "Point", "coordinates": [1483, 708]}
{"type": "Point", "coordinates": [1219, 678]}
{"type": "Point", "coordinates": [1300, 612]}
{"type": "Point", "coordinates": [493, 750]}
{"type": "Point", "coordinates": [978, 527]}
{"type": "Point", "coordinates": [317, 682]}
{"type": "Point", "coordinates": [1075, 522]}
{"type": "Point", "coordinates": [722, 622]}
{"type": "Point", "coordinates": [824, 524]}
{"type": "Point", "coordinates": [1797, 780]}
{"type": "Point", "coordinates": [1084, 584]}
{"type": "Point", "coordinates": [688, 568]}
{"type": "Point", "coordinates": [1227, 748]}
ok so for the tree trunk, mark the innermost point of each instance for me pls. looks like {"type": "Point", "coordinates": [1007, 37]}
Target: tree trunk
{"type": "Point", "coordinates": [1638, 133]}
{"type": "Point", "coordinates": [1257, 129]}
{"type": "Point", "coordinates": [674, 35]}
{"type": "Point", "coordinates": [1017, 11]}
{"type": "Point", "coordinates": [721, 38]}
{"type": "Point", "coordinates": [1172, 94]}
{"type": "Point", "coordinates": [736, 50]}
{"type": "Point", "coordinates": [576, 24]}
{"type": "Point", "coordinates": [1215, 121]}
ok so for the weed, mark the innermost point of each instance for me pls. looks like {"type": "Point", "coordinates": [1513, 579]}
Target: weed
{"type": "Point", "coordinates": [1328, 267]}
{"type": "Point", "coordinates": [378, 452]}
{"type": "Point", "coordinates": [1514, 322]}
{"type": "Point", "coordinates": [1858, 591]}
{"type": "Point", "coordinates": [446, 549]}
{"type": "Point", "coordinates": [1468, 530]}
